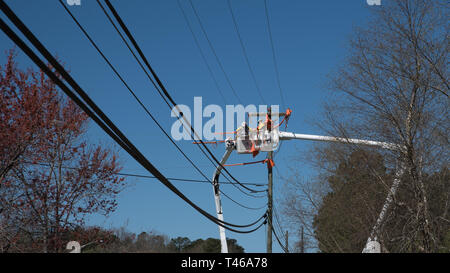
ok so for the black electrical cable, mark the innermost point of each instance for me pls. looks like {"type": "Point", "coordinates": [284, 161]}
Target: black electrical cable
{"type": "Point", "coordinates": [133, 41]}
{"type": "Point", "coordinates": [127, 32]}
{"type": "Point", "coordinates": [277, 220]}
{"type": "Point", "coordinates": [246, 207]}
{"type": "Point", "coordinates": [139, 62]}
{"type": "Point", "coordinates": [133, 53]}
{"type": "Point", "coordinates": [245, 52]}
{"type": "Point", "coordinates": [123, 144]}
{"type": "Point", "coordinates": [126, 43]}
{"type": "Point", "coordinates": [142, 105]}
{"type": "Point", "coordinates": [209, 68]}
{"type": "Point", "coordinates": [114, 132]}
{"type": "Point", "coordinates": [280, 229]}
{"type": "Point", "coordinates": [226, 195]}
{"type": "Point", "coordinates": [154, 177]}
{"type": "Point", "coordinates": [277, 74]}
{"type": "Point", "coordinates": [129, 88]}
{"type": "Point", "coordinates": [201, 51]}
{"type": "Point", "coordinates": [187, 180]}
{"type": "Point", "coordinates": [279, 242]}
{"type": "Point", "coordinates": [215, 54]}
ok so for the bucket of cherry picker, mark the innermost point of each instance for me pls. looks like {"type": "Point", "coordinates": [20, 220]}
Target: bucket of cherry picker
{"type": "Point", "coordinates": [260, 139]}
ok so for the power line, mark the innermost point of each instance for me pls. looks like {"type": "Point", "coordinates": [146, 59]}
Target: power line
{"type": "Point", "coordinates": [277, 74]}
{"type": "Point", "coordinates": [157, 88]}
{"type": "Point", "coordinates": [245, 53]}
{"type": "Point", "coordinates": [277, 220]}
{"type": "Point", "coordinates": [279, 241]}
{"type": "Point", "coordinates": [201, 51]}
{"type": "Point", "coordinates": [215, 53]}
{"type": "Point", "coordinates": [154, 177]}
{"type": "Point", "coordinates": [102, 120]}
{"type": "Point", "coordinates": [142, 105]}
{"type": "Point", "coordinates": [133, 53]}
{"type": "Point", "coordinates": [188, 180]}
{"type": "Point", "coordinates": [170, 179]}
{"type": "Point", "coordinates": [164, 90]}
{"type": "Point", "coordinates": [124, 40]}
{"type": "Point", "coordinates": [280, 228]}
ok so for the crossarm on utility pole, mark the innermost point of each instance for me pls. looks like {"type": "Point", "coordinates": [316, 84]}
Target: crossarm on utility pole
{"type": "Point", "coordinates": [262, 114]}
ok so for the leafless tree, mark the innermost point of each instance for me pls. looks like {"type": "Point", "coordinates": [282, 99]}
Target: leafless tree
{"type": "Point", "coordinates": [393, 87]}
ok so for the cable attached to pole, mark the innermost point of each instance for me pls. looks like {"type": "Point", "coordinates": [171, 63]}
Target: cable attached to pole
{"type": "Point", "coordinates": [166, 93]}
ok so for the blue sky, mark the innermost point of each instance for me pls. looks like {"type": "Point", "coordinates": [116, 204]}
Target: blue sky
{"type": "Point", "coordinates": [310, 37]}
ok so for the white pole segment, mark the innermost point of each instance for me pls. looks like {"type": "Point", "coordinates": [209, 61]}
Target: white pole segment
{"type": "Point", "coordinates": [372, 245]}
{"type": "Point", "coordinates": [384, 145]}
{"type": "Point", "coordinates": [369, 248]}
{"type": "Point", "coordinates": [223, 238]}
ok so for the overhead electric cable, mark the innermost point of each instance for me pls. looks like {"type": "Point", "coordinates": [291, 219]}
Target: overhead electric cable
{"type": "Point", "coordinates": [164, 98]}
{"type": "Point", "coordinates": [133, 53]}
{"type": "Point", "coordinates": [201, 51]}
{"type": "Point", "coordinates": [170, 179]}
{"type": "Point", "coordinates": [245, 53]}
{"type": "Point", "coordinates": [140, 102]}
{"type": "Point", "coordinates": [154, 177]}
{"type": "Point", "coordinates": [278, 222]}
{"type": "Point", "coordinates": [133, 41]}
{"type": "Point", "coordinates": [109, 127]}
{"type": "Point", "coordinates": [215, 54]}
{"type": "Point", "coordinates": [279, 242]}
{"type": "Point", "coordinates": [277, 74]}
{"type": "Point", "coordinates": [192, 131]}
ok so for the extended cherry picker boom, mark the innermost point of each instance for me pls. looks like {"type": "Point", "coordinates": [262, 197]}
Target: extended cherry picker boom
{"type": "Point", "coordinates": [266, 138]}
{"type": "Point", "coordinates": [230, 146]}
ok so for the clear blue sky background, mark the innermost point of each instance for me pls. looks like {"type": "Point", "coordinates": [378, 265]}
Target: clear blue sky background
{"type": "Point", "coordinates": [311, 38]}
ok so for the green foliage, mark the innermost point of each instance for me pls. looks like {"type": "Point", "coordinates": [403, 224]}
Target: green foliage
{"type": "Point", "coordinates": [343, 222]}
{"type": "Point", "coordinates": [122, 241]}
{"type": "Point", "coordinates": [210, 245]}
{"type": "Point", "coordinates": [179, 244]}
{"type": "Point", "coordinates": [349, 211]}
{"type": "Point", "coordinates": [445, 247]}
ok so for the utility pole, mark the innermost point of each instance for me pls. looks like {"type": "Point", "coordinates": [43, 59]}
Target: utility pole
{"type": "Point", "coordinates": [287, 241]}
{"type": "Point", "coordinates": [270, 189]}
{"type": "Point", "coordinates": [269, 206]}
{"type": "Point", "coordinates": [268, 141]}
{"type": "Point", "coordinates": [302, 243]}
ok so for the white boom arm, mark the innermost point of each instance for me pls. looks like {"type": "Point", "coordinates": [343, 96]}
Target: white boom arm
{"type": "Point", "coordinates": [223, 239]}
{"type": "Point", "coordinates": [372, 245]}
{"type": "Point", "coordinates": [384, 145]}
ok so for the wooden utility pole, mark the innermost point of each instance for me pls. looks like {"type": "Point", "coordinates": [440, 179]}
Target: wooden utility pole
{"type": "Point", "coordinates": [270, 188]}
{"type": "Point", "coordinates": [302, 243]}
{"type": "Point", "coordinates": [271, 143]}
{"type": "Point", "coordinates": [269, 207]}
{"type": "Point", "coordinates": [287, 241]}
